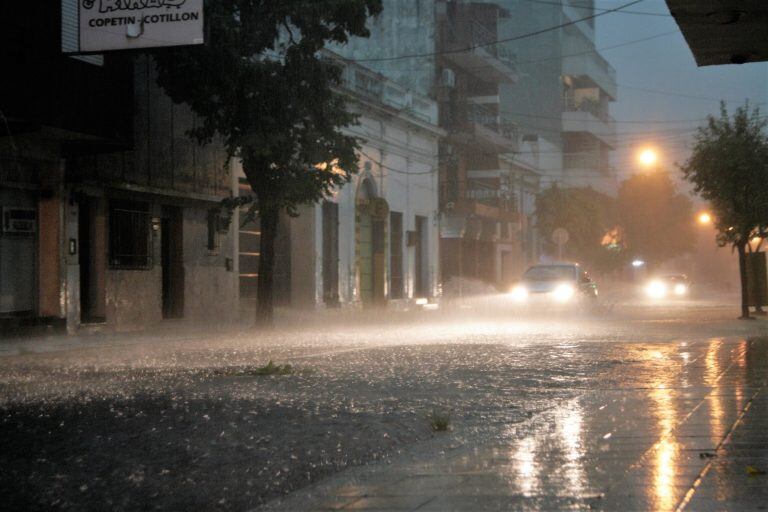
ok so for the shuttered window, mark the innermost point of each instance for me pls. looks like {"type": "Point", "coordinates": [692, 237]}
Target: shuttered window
{"type": "Point", "coordinates": [331, 253]}
{"type": "Point", "coordinates": [396, 255]}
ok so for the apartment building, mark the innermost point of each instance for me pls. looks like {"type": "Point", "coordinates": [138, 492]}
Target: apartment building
{"type": "Point", "coordinates": [563, 95]}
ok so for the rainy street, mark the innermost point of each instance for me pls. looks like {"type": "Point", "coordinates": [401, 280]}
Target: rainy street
{"type": "Point", "coordinates": [639, 407]}
{"type": "Point", "coordinates": [383, 255]}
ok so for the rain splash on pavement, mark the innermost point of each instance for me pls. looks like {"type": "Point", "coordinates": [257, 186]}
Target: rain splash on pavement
{"type": "Point", "coordinates": [196, 423]}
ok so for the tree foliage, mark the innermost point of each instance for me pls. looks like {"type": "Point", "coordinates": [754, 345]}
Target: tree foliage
{"type": "Point", "coordinates": [657, 219]}
{"type": "Point", "coordinates": [259, 86]}
{"type": "Point", "coordinates": [729, 168]}
{"type": "Point", "coordinates": [588, 216]}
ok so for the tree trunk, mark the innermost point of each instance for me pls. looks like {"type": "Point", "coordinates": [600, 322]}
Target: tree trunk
{"type": "Point", "coordinates": [265, 291]}
{"type": "Point", "coordinates": [741, 247]}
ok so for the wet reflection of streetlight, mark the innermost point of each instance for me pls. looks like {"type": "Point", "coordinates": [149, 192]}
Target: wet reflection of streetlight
{"type": "Point", "coordinates": [665, 460]}
{"type": "Point", "coordinates": [570, 433]}
{"type": "Point", "coordinates": [717, 414]}
{"type": "Point", "coordinates": [664, 457]}
{"type": "Point", "coordinates": [717, 428]}
{"type": "Point", "coordinates": [525, 465]}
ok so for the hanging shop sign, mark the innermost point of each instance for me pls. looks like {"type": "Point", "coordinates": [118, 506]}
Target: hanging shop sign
{"type": "Point", "coordinates": [108, 25]}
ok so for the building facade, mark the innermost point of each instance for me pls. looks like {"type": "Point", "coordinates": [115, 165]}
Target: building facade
{"type": "Point", "coordinates": [563, 95]}
{"type": "Point", "coordinates": [449, 50]}
{"type": "Point", "coordinates": [375, 242]}
{"type": "Point", "coordinates": [111, 214]}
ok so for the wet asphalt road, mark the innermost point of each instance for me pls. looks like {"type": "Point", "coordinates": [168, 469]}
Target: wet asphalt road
{"type": "Point", "coordinates": [547, 411]}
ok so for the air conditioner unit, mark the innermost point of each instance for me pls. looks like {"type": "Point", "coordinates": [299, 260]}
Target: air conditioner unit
{"type": "Point", "coordinates": [448, 79]}
{"type": "Point", "coordinates": [19, 220]}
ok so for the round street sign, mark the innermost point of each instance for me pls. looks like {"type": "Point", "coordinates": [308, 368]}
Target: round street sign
{"type": "Point", "coordinates": [560, 236]}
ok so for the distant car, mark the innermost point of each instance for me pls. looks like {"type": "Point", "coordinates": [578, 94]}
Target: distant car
{"type": "Point", "coordinates": [555, 284]}
{"type": "Point", "coordinates": [668, 286]}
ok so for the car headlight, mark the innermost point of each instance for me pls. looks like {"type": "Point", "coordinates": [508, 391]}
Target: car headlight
{"type": "Point", "coordinates": [564, 292]}
{"type": "Point", "coordinates": [519, 293]}
{"type": "Point", "coordinates": [656, 289]}
{"type": "Point", "coordinates": [681, 289]}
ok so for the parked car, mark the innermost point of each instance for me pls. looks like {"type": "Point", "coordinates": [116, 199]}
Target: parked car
{"type": "Point", "coordinates": [556, 284]}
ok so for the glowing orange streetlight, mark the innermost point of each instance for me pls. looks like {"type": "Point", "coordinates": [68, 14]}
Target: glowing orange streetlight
{"type": "Point", "coordinates": [705, 218]}
{"type": "Point", "coordinates": [648, 157]}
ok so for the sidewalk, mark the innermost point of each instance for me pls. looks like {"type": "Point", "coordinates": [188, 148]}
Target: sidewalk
{"type": "Point", "coordinates": [694, 441]}
{"type": "Point", "coordinates": [177, 331]}
{"type": "Point", "coordinates": [57, 342]}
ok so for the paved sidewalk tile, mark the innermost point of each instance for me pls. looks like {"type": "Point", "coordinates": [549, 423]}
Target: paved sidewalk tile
{"type": "Point", "coordinates": [639, 448]}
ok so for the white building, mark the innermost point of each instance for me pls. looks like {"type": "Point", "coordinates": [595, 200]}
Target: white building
{"type": "Point", "coordinates": [377, 239]}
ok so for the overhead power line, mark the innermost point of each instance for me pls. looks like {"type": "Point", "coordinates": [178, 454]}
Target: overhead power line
{"type": "Point", "coordinates": [681, 95]}
{"type": "Point", "coordinates": [604, 48]}
{"type": "Point", "coordinates": [506, 40]}
{"type": "Point", "coordinates": [641, 13]}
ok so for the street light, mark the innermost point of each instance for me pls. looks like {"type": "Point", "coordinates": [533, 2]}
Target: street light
{"type": "Point", "coordinates": [648, 157]}
{"type": "Point", "coordinates": [705, 218]}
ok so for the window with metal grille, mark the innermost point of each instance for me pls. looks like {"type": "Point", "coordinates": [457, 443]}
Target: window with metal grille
{"type": "Point", "coordinates": [129, 246]}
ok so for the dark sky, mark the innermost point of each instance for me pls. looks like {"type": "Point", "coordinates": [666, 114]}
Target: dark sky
{"type": "Point", "coordinates": [665, 64]}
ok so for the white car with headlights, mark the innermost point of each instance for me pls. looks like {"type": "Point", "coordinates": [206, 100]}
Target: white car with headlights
{"type": "Point", "coordinates": [668, 287]}
{"type": "Point", "coordinates": [555, 284]}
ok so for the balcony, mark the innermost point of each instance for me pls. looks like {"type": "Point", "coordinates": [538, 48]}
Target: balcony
{"type": "Point", "coordinates": [476, 197]}
{"type": "Point", "coordinates": [587, 116]}
{"type": "Point", "coordinates": [602, 179]}
{"type": "Point", "coordinates": [472, 47]}
{"type": "Point", "coordinates": [586, 161]}
{"type": "Point", "coordinates": [368, 84]}
{"type": "Point", "coordinates": [488, 130]}
{"type": "Point", "coordinates": [574, 11]}
{"type": "Point", "coordinates": [593, 69]}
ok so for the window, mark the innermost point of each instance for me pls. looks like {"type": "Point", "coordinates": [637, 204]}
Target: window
{"type": "Point", "coordinates": [331, 253]}
{"type": "Point", "coordinates": [129, 246]}
{"type": "Point", "coordinates": [213, 230]}
{"type": "Point", "coordinates": [396, 255]}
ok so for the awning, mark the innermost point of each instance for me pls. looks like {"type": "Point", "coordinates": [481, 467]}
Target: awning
{"type": "Point", "coordinates": [723, 31]}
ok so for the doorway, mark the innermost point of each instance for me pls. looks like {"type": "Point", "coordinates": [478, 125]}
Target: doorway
{"type": "Point", "coordinates": [371, 214]}
{"type": "Point", "coordinates": [331, 254]}
{"type": "Point", "coordinates": [421, 277]}
{"type": "Point", "coordinates": [91, 249]}
{"type": "Point", "coordinates": [172, 256]}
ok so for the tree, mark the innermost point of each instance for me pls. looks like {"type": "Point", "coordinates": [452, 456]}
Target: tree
{"type": "Point", "coordinates": [729, 168]}
{"type": "Point", "coordinates": [657, 220]}
{"type": "Point", "coordinates": [588, 216]}
{"type": "Point", "coordinates": [260, 86]}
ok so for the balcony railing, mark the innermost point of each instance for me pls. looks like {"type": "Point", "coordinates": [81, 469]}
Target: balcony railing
{"type": "Point", "coordinates": [486, 117]}
{"type": "Point", "coordinates": [481, 36]}
{"type": "Point", "coordinates": [593, 106]}
{"type": "Point", "coordinates": [469, 36]}
{"type": "Point", "coordinates": [374, 86]}
{"type": "Point", "coordinates": [474, 190]}
{"type": "Point", "coordinates": [586, 160]}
